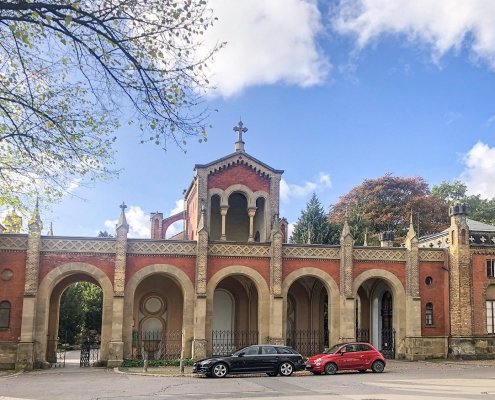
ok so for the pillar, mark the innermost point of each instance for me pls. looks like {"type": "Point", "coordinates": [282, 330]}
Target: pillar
{"type": "Point", "coordinates": [116, 345]}
{"type": "Point", "coordinates": [25, 348]}
{"type": "Point", "coordinates": [347, 306]}
{"type": "Point", "coordinates": [275, 331]}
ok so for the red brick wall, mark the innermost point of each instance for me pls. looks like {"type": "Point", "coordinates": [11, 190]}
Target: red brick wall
{"type": "Point", "coordinates": [480, 283]}
{"type": "Point", "coordinates": [436, 294]}
{"type": "Point", "coordinates": [260, 265]}
{"type": "Point", "coordinates": [13, 291]}
{"type": "Point", "coordinates": [238, 174]}
{"type": "Point", "coordinates": [51, 261]}
{"type": "Point", "coordinates": [136, 263]}
{"type": "Point", "coordinates": [332, 268]}
{"type": "Point", "coordinates": [398, 269]}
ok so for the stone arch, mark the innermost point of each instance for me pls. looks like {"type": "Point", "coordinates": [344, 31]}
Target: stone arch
{"type": "Point", "coordinates": [185, 284]}
{"type": "Point", "coordinates": [261, 287]}
{"type": "Point", "coordinates": [398, 295]}
{"type": "Point", "coordinates": [236, 188]}
{"type": "Point", "coordinates": [333, 297]}
{"type": "Point", "coordinates": [45, 290]}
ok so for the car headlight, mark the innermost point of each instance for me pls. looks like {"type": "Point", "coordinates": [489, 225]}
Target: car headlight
{"type": "Point", "coordinates": [318, 362]}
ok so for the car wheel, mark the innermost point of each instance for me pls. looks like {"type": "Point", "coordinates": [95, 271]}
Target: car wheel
{"type": "Point", "coordinates": [362, 371]}
{"type": "Point", "coordinates": [219, 370]}
{"type": "Point", "coordinates": [330, 369]}
{"type": "Point", "coordinates": [286, 369]}
{"type": "Point", "coordinates": [271, 373]}
{"type": "Point", "coordinates": [378, 366]}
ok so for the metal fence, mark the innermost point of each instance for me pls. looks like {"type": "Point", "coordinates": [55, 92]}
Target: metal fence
{"type": "Point", "coordinates": [56, 353]}
{"type": "Point", "coordinates": [225, 342]}
{"type": "Point", "coordinates": [157, 345]}
{"type": "Point", "coordinates": [90, 353]}
{"type": "Point", "coordinates": [307, 342]}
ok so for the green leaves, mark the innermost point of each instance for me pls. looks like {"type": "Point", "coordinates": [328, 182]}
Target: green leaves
{"type": "Point", "coordinates": [74, 70]}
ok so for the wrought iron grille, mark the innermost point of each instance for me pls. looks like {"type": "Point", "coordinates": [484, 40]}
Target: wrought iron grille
{"type": "Point", "coordinates": [90, 353]}
{"type": "Point", "coordinates": [157, 345]}
{"type": "Point", "coordinates": [307, 342]}
{"type": "Point", "coordinates": [225, 342]}
{"type": "Point", "coordinates": [388, 343]}
{"type": "Point", "coordinates": [362, 335]}
{"type": "Point", "coordinates": [56, 354]}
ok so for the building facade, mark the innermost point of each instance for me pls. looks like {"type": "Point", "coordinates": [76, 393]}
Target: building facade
{"type": "Point", "coordinates": [230, 279]}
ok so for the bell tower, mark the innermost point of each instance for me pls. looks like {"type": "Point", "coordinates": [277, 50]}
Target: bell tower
{"type": "Point", "coordinates": [460, 272]}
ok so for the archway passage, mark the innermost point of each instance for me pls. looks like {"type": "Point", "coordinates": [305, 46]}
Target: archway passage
{"type": "Point", "coordinates": [307, 316]}
{"type": "Point", "coordinates": [75, 322]}
{"type": "Point", "coordinates": [235, 315]}
{"type": "Point", "coordinates": [374, 315]}
{"type": "Point", "coordinates": [157, 319]}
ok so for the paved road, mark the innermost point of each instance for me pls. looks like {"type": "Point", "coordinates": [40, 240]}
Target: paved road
{"type": "Point", "coordinates": [400, 381]}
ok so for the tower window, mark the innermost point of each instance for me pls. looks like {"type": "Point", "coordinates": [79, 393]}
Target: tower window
{"type": "Point", "coordinates": [4, 314]}
{"type": "Point", "coordinates": [429, 314]}
{"type": "Point", "coordinates": [490, 268]}
{"type": "Point", "coordinates": [429, 281]}
{"type": "Point", "coordinates": [490, 316]}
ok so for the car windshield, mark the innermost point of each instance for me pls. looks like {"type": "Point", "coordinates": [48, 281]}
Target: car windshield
{"type": "Point", "coordinates": [333, 349]}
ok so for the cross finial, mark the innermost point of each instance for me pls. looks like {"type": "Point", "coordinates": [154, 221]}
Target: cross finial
{"type": "Point", "coordinates": [240, 129]}
{"type": "Point", "coordinates": [123, 206]}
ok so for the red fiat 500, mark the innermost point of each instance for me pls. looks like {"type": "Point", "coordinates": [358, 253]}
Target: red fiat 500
{"type": "Point", "coordinates": [347, 356]}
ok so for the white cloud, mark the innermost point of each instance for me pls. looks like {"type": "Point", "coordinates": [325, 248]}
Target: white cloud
{"type": "Point", "coordinates": [138, 220]}
{"type": "Point", "coordinates": [290, 229]}
{"type": "Point", "coordinates": [479, 173]}
{"type": "Point", "coordinates": [179, 206]}
{"type": "Point", "coordinates": [442, 24]}
{"type": "Point", "coordinates": [290, 190]}
{"type": "Point", "coordinates": [268, 42]}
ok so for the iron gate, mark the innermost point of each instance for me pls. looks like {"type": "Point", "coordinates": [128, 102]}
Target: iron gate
{"type": "Point", "coordinates": [388, 340]}
{"type": "Point", "coordinates": [388, 343]}
{"type": "Point", "coordinates": [157, 345]}
{"type": "Point", "coordinates": [225, 342]}
{"type": "Point", "coordinates": [90, 353]}
{"type": "Point", "coordinates": [307, 342]}
{"type": "Point", "coordinates": [56, 354]}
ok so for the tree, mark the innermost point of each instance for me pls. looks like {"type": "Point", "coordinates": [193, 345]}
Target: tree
{"type": "Point", "coordinates": [104, 234]}
{"type": "Point", "coordinates": [71, 320]}
{"type": "Point", "coordinates": [80, 311]}
{"type": "Point", "coordinates": [313, 226]}
{"type": "Point", "coordinates": [70, 70]}
{"type": "Point", "coordinates": [385, 204]}
{"type": "Point", "coordinates": [479, 209]}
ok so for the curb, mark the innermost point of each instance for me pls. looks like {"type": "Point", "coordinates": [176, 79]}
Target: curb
{"type": "Point", "coordinates": [118, 370]}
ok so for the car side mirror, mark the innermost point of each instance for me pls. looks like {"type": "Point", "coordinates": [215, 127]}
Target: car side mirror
{"type": "Point", "coordinates": [342, 351]}
{"type": "Point", "coordinates": [241, 354]}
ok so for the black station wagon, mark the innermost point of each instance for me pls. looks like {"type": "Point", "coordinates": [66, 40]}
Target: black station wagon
{"type": "Point", "coordinates": [267, 358]}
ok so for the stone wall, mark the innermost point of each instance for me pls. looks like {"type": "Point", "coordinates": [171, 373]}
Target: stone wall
{"type": "Point", "coordinates": [8, 355]}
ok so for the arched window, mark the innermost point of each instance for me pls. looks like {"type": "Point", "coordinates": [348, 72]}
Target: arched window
{"type": "Point", "coordinates": [490, 309]}
{"type": "Point", "coordinates": [4, 314]}
{"type": "Point", "coordinates": [429, 314]}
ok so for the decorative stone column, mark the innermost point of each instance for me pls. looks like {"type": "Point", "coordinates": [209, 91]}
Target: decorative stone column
{"type": "Point", "coordinates": [199, 341]}
{"type": "Point", "coordinates": [25, 348]}
{"type": "Point", "coordinates": [223, 212]}
{"type": "Point", "coordinates": [116, 345]}
{"type": "Point", "coordinates": [276, 307]}
{"type": "Point", "coordinates": [347, 306]}
{"type": "Point", "coordinates": [251, 213]}
{"type": "Point", "coordinates": [413, 300]}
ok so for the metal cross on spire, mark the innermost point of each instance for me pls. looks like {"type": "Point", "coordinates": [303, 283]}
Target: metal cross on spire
{"type": "Point", "coordinates": [123, 206]}
{"type": "Point", "coordinates": [240, 129]}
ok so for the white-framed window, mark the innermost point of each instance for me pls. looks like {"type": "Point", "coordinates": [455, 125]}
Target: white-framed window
{"type": "Point", "coordinates": [490, 316]}
{"type": "Point", "coordinates": [490, 268]}
{"type": "Point", "coordinates": [429, 314]}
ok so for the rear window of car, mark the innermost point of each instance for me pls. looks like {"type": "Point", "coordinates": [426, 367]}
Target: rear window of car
{"type": "Point", "coordinates": [286, 350]}
{"type": "Point", "coordinates": [268, 350]}
{"type": "Point", "coordinates": [363, 347]}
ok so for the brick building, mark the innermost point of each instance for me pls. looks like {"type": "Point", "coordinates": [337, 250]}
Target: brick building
{"type": "Point", "coordinates": [231, 279]}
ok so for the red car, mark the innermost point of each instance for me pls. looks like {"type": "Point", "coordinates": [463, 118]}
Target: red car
{"type": "Point", "coordinates": [347, 356]}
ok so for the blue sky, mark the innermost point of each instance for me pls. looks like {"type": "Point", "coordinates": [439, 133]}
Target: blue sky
{"type": "Point", "coordinates": [332, 93]}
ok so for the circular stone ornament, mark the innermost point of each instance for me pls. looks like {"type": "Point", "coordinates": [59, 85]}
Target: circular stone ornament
{"type": "Point", "coordinates": [6, 274]}
{"type": "Point", "coordinates": [153, 305]}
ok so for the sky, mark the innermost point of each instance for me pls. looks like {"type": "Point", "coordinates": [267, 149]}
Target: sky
{"type": "Point", "coordinates": [333, 93]}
